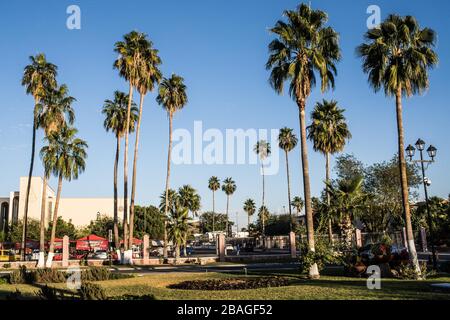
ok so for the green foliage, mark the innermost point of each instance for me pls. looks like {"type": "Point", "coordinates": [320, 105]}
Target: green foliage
{"type": "Point", "coordinates": [96, 274]}
{"type": "Point", "coordinates": [220, 222]}
{"type": "Point", "coordinates": [91, 291]}
{"type": "Point", "coordinates": [100, 227]}
{"type": "Point", "coordinates": [408, 272]}
{"type": "Point", "coordinates": [440, 217]}
{"type": "Point", "coordinates": [325, 254]}
{"type": "Point", "coordinates": [19, 276]}
{"type": "Point", "coordinates": [278, 225]}
{"type": "Point", "coordinates": [148, 220]}
{"type": "Point", "coordinates": [15, 230]}
{"type": "Point", "coordinates": [63, 228]}
{"type": "Point", "coordinates": [47, 276]}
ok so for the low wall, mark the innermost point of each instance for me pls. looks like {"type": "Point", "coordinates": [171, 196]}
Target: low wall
{"type": "Point", "coordinates": [259, 258]}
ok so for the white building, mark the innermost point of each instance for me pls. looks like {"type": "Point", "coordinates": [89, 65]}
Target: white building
{"type": "Point", "coordinates": [80, 210]}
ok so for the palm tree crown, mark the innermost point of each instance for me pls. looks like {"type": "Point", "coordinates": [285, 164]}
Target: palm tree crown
{"type": "Point", "coordinates": [328, 131]}
{"type": "Point", "coordinates": [287, 140]}
{"type": "Point", "coordinates": [65, 155]}
{"type": "Point", "coordinates": [115, 112]}
{"type": "Point", "coordinates": [250, 207]}
{"type": "Point", "coordinates": [262, 149]}
{"type": "Point", "coordinates": [298, 204]}
{"type": "Point", "coordinates": [303, 46]}
{"type": "Point", "coordinates": [172, 94]}
{"type": "Point", "coordinates": [39, 76]}
{"type": "Point", "coordinates": [189, 198]}
{"type": "Point", "coordinates": [214, 184]}
{"type": "Point", "coordinates": [397, 54]}
{"type": "Point", "coordinates": [229, 186]}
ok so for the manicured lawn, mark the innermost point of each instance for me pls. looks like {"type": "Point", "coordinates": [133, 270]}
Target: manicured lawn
{"type": "Point", "coordinates": [328, 287]}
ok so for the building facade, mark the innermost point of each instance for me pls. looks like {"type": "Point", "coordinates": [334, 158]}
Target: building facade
{"type": "Point", "coordinates": [80, 210]}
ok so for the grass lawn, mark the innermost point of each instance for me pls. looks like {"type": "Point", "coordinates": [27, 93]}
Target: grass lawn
{"type": "Point", "coordinates": [328, 287]}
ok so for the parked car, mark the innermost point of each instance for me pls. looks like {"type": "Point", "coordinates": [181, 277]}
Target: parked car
{"type": "Point", "coordinates": [101, 255]}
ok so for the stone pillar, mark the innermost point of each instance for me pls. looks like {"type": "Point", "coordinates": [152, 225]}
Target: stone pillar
{"type": "Point", "coordinates": [65, 253]}
{"type": "Point", "coordinates": [423, 238]}
{"type": "Point", "coordinates": [358, 238]}
{"type": "Point", "coordinates": [292, 245]}
{"type": "Point", "coordinates": [221, 247]}
{"type": "Point", "coordinates": [145, 250]}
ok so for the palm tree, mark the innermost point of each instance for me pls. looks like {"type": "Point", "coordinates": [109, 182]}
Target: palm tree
{"type": "Point", "coordinates": [263, 214]}
{"type": "Point", "coordinates": [54, 111]}
{"type": "Point", "coordinates": [262, 149]}
{"type": "Point", "coordinates": [115, 112]}
{"type": "Point", "coordinates": [329, 133]}
{"type": "Point", "coordinates": [129, 64]}
{"type": "Point", "coordinates": [214, 185]}
{"type": "Point", "coordinates": [298, 204]}
{"type": "Point", "coordinates": [250, 209]}
{"type": "Point", "coordinates": [346, 197]}
{"type": "Point", "coordinates": [287, 141]}
{"type": "Point", "coordinates": [38, 78]}
{"type": "Point", "coordinates": [229, 187]}
{"type": "Point", "coordinates": [65, 157]}
{"type": "Point", "coordinates": [190, 199]}
{"type": "Point", "coordinates": [397, 56]}
{"type": "Point", "coordinates": [172, 97]}
{"type": "Point", "coordinates": [149, 75]}
{"type": "Point", "coordinates": [178, 227]}
{"type": "Point", "coordinates": [304, 47]}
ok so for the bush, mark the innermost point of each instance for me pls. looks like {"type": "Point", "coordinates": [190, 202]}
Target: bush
{"type": "Point", "coordinates": [408, 272]}
{"type": "Point", "coordinates": [19, 276]}
{"type": "Point", "coordinates": [48, 276]}
{"type": "Point", "coordinates": [91, 291]}
{"type": "Point", "coordinates": [232, 284]}
{"type": "Point", "coordinates": [96, 274]}
{"type": "Point", "coordinates": [7, 266]}
{"type": "Point", "coordinates": [325, 253]}
{"type": "Point", "coordinates": [4, 280]}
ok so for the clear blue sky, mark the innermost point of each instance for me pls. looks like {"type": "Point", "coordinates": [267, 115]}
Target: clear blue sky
{"type": "Point", "coordinates": [220, 47]}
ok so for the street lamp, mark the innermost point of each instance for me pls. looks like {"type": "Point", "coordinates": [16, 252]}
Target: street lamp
{"type": "Point", "coordinates": [410, 151]}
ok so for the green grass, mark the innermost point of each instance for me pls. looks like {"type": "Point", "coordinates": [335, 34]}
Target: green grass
{"type": "Point", "coordinates": [328, 287]}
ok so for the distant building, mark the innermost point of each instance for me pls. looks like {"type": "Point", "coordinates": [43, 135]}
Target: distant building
{"type": "Point", "coordinates": [80, 210]}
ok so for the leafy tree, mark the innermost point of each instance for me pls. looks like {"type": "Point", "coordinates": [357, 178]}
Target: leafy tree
{"type": "Point", "coordinates": [287, 141]}
{"type": "Point", "coordinates": [172, 97]}
{"type": "Point", "coordinates": [348, 167]}
{"type": "Point", "coordinates": [220, 220]}
{"type": "Point", "coordinates": [149, 220]}
{"type": "Point", "coordinates": [304, 47]}
{"type": "Point", "coordinates": [397, 56]}
{"type": "Point", "coordinates": [15, 231]}
{"type": "Point", "coordinates": [63, 228]}
{"type": "Point", "coordinates": [100, 227]}
{"type": "Point", "coordinates": [115, 112]}
{"type": "Point", "coordinates": [440, 218]}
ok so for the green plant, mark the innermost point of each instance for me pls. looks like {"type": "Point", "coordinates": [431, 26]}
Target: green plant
{"type": "Point", "coordinates": [47, 276]}
{"type": "Point", "coordinates": [91, 291]}
{"type": "Point", "coordinates": [324, 254]}
{"type": "Point", "coordinates": [408, 272]}
{"type": "Point", "coordinates": [96, 274]}
{"type": "Point", "coordinates": [19, 276]}
{"type": "Point", "coordinates": [49, 293]}
{"type": "Point", "coordinates": [7, 266]}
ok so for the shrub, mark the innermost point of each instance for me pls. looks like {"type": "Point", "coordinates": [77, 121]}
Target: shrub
{"type": "Point", "coordinates": [19, 276]}
{"type": "Point", "coordinates": [3, 280]}
{"type": "Point", "coordinates": [324, 254]}
{"type": "Point", "coordinates": [408, 272]}
{"type": "Point", "coordinates": [91, 291]}
{"type": "Point", "coordinates": [48, 276]}
{"type": "Point", "coordinates": [232, 284]}
{"type": "Point", "coordinates": [7, 266]}
{"type": "Point", "coordinates": [96, 274]}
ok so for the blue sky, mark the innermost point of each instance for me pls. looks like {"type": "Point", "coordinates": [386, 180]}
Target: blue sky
{"type": "Point", "coordinates": [220, 48]}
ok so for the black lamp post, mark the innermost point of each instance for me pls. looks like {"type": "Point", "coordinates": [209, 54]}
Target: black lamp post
{"type": "Point", "coordinates": [410, 151]}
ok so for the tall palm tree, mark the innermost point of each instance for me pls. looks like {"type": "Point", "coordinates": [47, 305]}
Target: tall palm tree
{"type": "Point", "coordinates": [262, 149]}
{"type": "Point", "coordinates": [129, 64]}
{"type": "Point", "coordinates": [250, 209]}
{"type": "Point", "coordinates": [214, 185]}
{"type": "Point", "coordinates": [298, 204]}
{"type": "Point", "coordinates": [229, 187]}
{"type": "Point", "coordinates": [287, 141]}
{"type": "Point", "coordinates": [54, 111]}
{"type": "Point", "coordinates": [303, 49]}
{"type": "Point", "coordinates": [115, 112]}
{"type": "Point", "coordinates": [149, 75]}
{"type": "Point", "coordinates": [329, 133]}
{"type": "Point", "coordinates": [64, 156]}
{"type": "Point", "coordinates": [397, 56]}
{"type": "Point", "coordinates": [172, 97]}
{"type": "Point", "coordinates": [38, 78]}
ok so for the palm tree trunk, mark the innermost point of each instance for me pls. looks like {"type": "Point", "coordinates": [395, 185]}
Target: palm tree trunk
{"type": "Point", "coordinates": [41, 261]}
{"type": "Point", "coordinates": [327, 179]}
{"type": "Point", "coordinates": [133, 184]}
{"type": "Point", "coordinates": [248, 223]}
{"type": "Point", "coordinates": [263, 198]}
{"type": "Point", "coordinates": [55, 219]}
{"type": "Point", "coordinates": [166, 211]}
{"type": "Point", "coordinates": [226, 224]}
{"type": "Point", "coordinates": [313, 272]}
{"type": "Point", "coordinates": [125, 172]}
{"type": "Point", "coordinates": [30, 174]}
{"type": "Point", "coordinates": [116, 213]}
{"type": "Point", "coordinates": [289, 190]}
{"type": "Point", "coordinates": [404, 183]}
{"type": "Point", "coordinates": [213, 213]}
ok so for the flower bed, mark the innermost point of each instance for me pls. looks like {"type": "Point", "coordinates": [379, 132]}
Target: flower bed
{"type": "Point", "coordinates": [233, 284]}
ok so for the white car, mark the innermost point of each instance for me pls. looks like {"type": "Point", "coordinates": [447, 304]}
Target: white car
{"type": "Point", "coordinates": [101, 255]}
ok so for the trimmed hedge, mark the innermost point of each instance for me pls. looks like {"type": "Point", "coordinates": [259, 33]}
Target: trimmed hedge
{"type": "Point", "coordinates": [232, 284]}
